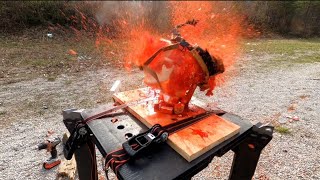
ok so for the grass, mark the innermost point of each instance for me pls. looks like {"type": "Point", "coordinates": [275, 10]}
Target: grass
{"type": "Point", "coordinates": [285, 51]}
{"type": "Point", "coordinates": [282, 130]}
{"type": "Point", "coordinates": [28, 57]}
{"type": "Point", "coordinates": [34, 55]}
{"type": "Point", "coordinates": [283, 46]}
{"type": "Point", "coordinates": [52, 78]}
{"type": "Point", "coordinates": [41, 112]}
{"type": "Point", "coordinates": [68, 82]}
{"type": "Point", "coordinates": [41, 53]}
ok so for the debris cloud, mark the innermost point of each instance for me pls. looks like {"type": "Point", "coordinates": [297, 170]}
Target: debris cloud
{"type": "Point", "coordinates": [220, 30]}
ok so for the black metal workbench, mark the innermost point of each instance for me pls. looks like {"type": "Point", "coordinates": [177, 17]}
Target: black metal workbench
{"type": "Point", "coordinates": [163, 162]}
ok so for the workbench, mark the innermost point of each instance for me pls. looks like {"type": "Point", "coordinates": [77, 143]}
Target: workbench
{"type": "Point", "coordinates": [108, 134]}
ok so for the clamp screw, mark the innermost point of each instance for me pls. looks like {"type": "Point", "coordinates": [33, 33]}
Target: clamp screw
{"type": "Point", "coordinates": [164, 136]}
{"type": "Point", "coordinates": [82, 131]}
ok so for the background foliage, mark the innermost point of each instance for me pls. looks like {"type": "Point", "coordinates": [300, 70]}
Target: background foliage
{"type": "Point", "coordinates": [290, 18]}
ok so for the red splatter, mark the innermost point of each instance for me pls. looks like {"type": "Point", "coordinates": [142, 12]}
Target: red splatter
{"type": "Point", "coordinates": [220, 30]}
{"type": "Point", "coordinates": [72, 52]}
{"type": "Point", "coordinates": [113, 120]}
{"type": "Point", "coordinates": [199, 132]}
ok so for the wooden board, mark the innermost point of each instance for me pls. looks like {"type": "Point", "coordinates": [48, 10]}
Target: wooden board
{"type": "Point", "coordinates": [190, 142]}
{"type": "Point", "coordinates": [67, 168]}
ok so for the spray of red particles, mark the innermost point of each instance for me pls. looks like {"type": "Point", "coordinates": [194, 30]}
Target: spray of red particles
{"type": "Point", "coordinates": [131, 36]}
{"type": "Point", "coordinates": [219, 31]}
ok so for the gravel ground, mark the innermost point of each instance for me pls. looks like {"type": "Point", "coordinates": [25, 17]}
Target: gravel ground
{"type": "Point", "coordinates": [257, 92]}
{"type": "Point", "coordinates": [268, 94]}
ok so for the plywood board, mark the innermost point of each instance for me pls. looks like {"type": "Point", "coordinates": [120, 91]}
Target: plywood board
{"type": "Point", "coordinates": [67, 168]}
{"type": "Point", "coordinates": [190, 142]}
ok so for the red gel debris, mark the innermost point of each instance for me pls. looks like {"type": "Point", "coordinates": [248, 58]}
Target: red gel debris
{"type": "Point", "coordinates": [199, 132]}
{"type": "Point", "coordinates": [113, 120]}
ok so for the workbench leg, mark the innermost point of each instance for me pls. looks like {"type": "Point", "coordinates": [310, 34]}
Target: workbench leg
{"type": "Point", "coordinates": [247, 153]}
{"type": "Point", "coordinates": [86, 162]}
{"type": "Point", "coordinates": [85, 155]}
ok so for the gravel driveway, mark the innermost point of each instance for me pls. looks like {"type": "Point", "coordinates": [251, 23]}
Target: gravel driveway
{"type": "Point", "coordinates": [257, 91]}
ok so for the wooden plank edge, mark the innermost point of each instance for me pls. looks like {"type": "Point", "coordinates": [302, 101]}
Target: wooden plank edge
{"type": "Point", "coordinates": [199, 153]}
{"type": "Point", "coordinates": [221, 140]}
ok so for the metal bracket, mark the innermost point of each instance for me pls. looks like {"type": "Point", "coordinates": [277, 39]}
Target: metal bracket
{"type": "Point", "coordinates": [77, 138]}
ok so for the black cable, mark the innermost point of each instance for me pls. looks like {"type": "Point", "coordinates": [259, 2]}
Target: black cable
{"type": "Point", "coordinates": [106, 169]}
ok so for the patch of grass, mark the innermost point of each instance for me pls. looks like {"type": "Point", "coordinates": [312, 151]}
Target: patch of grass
{"type": "Point", "coordinates": [282, 130]}
{"type": "Point", "coordinates": [309, 58]}
{"type": "Point", "coordinates": [282, 46]}
{"type": "Point", "coordinates": [36, 62]}
{"type": "Point", "coordinates": [299, 59]}
{"type": "Point", "coordinates": [2, 113]}
{"type": "Point", "coordinates": [68, 82]}
{"type": "Point", "coordinates": [285, 51]}
{"type": "Point", "coordinates": [86, 103]}
{"type": "Point", "coordinates": [11, 81]}
{"type": "Point", "coordinates": [41, 112]}
{"type": "Point", "coordinates": [30, 104]}
{"type": "Point", "coordinates": [9, 44]}
{"type": "Point", "coordinates": [304, 96]}
{"type": "Point", "coordinates": [28, 57]}
{"type": "Point", "coordinates": [51, 78]}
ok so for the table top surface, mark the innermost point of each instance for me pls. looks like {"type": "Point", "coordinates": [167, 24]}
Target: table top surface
{"type": "Point", "coordinates": [160, 163]}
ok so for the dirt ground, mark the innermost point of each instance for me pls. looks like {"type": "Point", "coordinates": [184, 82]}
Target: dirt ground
{"type": "Point", "coordinates": [265, 87]}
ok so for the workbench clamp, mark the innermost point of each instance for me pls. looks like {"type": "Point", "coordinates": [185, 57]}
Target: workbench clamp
{"type": "Point", "coordinates": [142, 141]}
{"type": "Point", "coordinates": [77, 138]}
